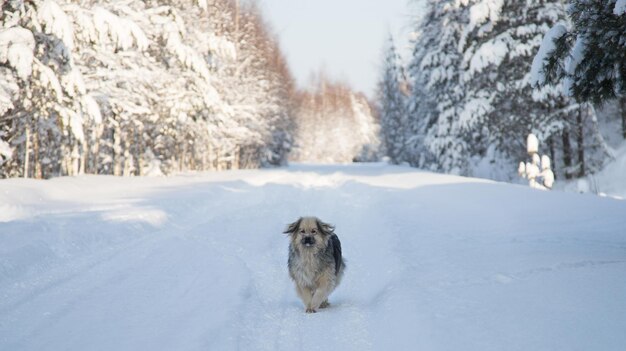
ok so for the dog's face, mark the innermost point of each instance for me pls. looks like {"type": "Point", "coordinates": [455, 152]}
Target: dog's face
{"type": "Point", "coordinates": [309, 233]}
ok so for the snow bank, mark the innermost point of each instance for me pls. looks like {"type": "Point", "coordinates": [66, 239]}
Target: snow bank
{"type": "Point", "coordinates": [608, 182]}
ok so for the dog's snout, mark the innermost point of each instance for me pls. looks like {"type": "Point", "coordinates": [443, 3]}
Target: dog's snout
{"type": "Point", "coordinates": [308, 240]}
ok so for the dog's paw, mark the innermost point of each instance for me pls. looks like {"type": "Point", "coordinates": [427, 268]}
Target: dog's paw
{"type": "Point", "coordinates": [325, 304]}
{"type": "Point", "coordinates": [310, 310]}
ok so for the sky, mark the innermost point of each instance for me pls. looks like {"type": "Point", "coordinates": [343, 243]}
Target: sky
{"type": "Point", "coordinates": [345, 38]}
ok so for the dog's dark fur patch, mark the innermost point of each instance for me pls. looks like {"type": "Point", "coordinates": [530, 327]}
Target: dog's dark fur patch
{"type": "Point", "coordinates": [336, 245]}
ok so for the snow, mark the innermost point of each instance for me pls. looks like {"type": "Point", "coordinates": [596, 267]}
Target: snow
{"type": "Point", "coordinates": [75, 122]}
{"type": "Point", "coordinates": [222, 47]}
{"type": "Point", "coordinates": [475, 108]}
{"type": "Point", "coordinates": [607, 182]}
{"type": "Point", "coordinates": [198, 261]}
{"type": "Point", "coordinates": [152, 166]}
{"type": "Point", "coordinates": [203, 4]}
{"type": "Point", "coordinates": [123, 32]}
{"type": "Point", "coordinates": [50, 80]}
{"type": "Point", "coordinates": [92, 108]}
{"type": "Point", "coordinates": [73, 83]}
{"type": "Point", "coordinates": [6, 151]}
{"type": "Point", "coordinates": [532, 144]}
{"type": "Point", "coordinates": [620, 7]}
{"type": "Point", "coordinates": [484, 11]}
{"type": "Point", "coordinates": [56, 22]}
{"type": "Point", "coordinates": [490, 53]}
{"type": "Point", "coordinates": [8, 86]}
{"type": "Point", "coordinates": [538, 76]}
{"type": "Point", "coordinates": [193, 60]}
{"type": "Point", "coordinates": [16, 48]}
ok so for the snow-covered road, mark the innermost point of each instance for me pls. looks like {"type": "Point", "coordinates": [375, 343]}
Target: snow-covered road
{"type": "Point", "coordinates": [198, 262]}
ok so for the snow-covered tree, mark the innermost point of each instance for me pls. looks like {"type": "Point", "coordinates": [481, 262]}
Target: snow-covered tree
{"type": "Point", "coordinates": [588, 53]}
{"type": "Point", "coordinates": [538, 171]}
{"type": "Point", "coordinates": [392, 105]}
{"type": "Point", "coordinates": [47, 104]}
{"type": "Point", "coordinates": [436, 90]}
{"type": "Point", "coordinates": [501, 107]}
{"type": "Point", "coordinates": [263, 88]}
{"type": "Point", "coordinates": [472, 97]}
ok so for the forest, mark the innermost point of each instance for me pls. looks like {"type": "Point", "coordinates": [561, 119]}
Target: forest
{"type": "Point", "coordinates": [483, 74]}
{"type": "Point", "coordinates": [130, 87]}
{"type": "Point", "coordinates": [134, 87]}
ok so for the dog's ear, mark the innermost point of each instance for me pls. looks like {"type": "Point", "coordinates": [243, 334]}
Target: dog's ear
{"type": "Point", "coordinates": [325, 228]}
{"type": "Point", "coordinates": [291, 228]}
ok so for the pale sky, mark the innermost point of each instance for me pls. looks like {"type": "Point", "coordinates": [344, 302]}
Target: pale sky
{"type": "Point", "coordinates": [345, 37]}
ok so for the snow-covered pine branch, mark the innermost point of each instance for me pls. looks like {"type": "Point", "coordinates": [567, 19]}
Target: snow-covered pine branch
{"type": "Point", "coordinates": [16, 49]}
{"type": "Point", "coordinates": [589, 57]}
{"type": "Point", "coordinates": [546, 50]}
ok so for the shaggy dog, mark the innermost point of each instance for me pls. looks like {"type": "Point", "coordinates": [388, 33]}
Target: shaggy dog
{"type": "Point", "coordinates": [315, 262]}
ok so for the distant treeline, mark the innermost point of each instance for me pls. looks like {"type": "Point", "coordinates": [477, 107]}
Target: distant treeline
{"type": "Point", "coordinates": [334, 124]}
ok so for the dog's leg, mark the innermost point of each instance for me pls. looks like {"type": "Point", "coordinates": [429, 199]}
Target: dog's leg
{"type": "Point", "coordinates": [305, 295]}
{"type": "Point", "coordinates": [324, 304]}
{"type": "Point", "coordinates": [324, 288]}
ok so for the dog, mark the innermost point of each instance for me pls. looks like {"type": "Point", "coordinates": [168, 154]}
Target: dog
{"type": "Point", "coordinates": [315, 262]}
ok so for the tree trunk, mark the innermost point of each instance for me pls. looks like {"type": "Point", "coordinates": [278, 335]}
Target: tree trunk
{"type": "Point", "coordinates": [38, 174]}
{"type": "Point", "coordinates": [622, 105]}
{"type": "Point", "coordinates": [117, 152]}
{"type": "Point", "coordinates": [26, 152]}
{"type": "Point", "coordinates": [218, 164]}
{"type": "Point", "coordinates": [95, 149]}
{"type": "Point", "coordinates": [238, 163]}
{"type": "Point", "coordinates": [581, 145]}
{"type": "Point", "coordinates": [551, 146]}
{"type": "Point", "coordinates": [183, 157]}
{"type": "Point", "coordinates": [567, 154]}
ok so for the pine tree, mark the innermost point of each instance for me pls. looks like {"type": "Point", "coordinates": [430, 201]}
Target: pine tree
{"type": "Point", "coordinates": [590, 55]}
{"type": "Point", "coordinates": [436, 90]}
{"type": "Point", "coordinates": [392, 103]}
